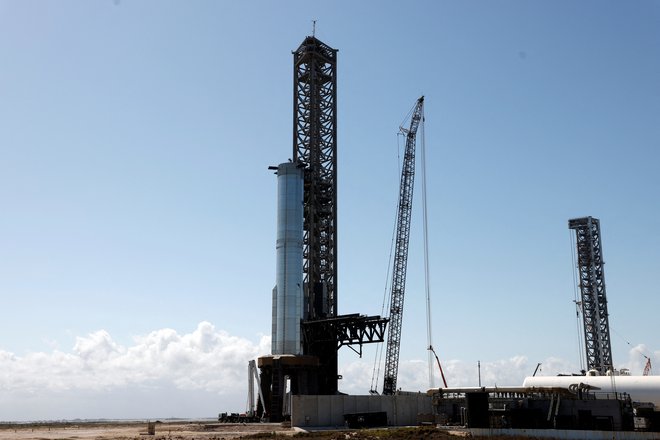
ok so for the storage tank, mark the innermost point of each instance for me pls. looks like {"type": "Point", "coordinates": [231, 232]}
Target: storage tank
{"type": "Point", "coordinates": [288, 292]}
{"type": "Point", "coordinates": [640, 388]}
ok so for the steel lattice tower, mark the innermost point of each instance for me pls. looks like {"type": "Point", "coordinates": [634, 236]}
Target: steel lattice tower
{"type": "Point", "coordinates": [323, 331]}
{"type": "Point", "coordinates": [315, 147]}
{"type": "Point", "coordinates": [592, 287]}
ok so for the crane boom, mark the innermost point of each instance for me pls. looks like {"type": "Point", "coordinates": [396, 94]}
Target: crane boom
{"type": "Point", "coordinates": [594, 299]}
{"type": "Point", "coordinates": [647, 367]}
{"type": "Point", "coordinates": [401, 252]}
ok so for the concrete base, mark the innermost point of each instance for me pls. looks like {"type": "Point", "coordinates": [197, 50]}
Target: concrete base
{"type": "Point", "coordinates": [302, 371]}
{"type": "Point", "coordinates": [402, 409]}
{"type": "Point", "coordinates": [288, 361]}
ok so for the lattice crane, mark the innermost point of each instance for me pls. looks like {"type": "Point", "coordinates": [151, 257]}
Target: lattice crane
{"type": "Point", "coordinates": [401, 253]}
{"type": "Point", "coordinates": [647, 367]}
{"type": "Point", "coordinates": [592, 287]}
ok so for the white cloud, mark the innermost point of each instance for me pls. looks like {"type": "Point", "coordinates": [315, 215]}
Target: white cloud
{"type": "Point", "coordinates": [206, 360]}
{"type": "Point", "coordinates": [165, 373]}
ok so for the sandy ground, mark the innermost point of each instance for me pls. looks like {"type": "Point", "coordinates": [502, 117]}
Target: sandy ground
{"type": "Point", "coordinates": [211, 431]}
{"type": "Point", "coordinates": [125, 431]}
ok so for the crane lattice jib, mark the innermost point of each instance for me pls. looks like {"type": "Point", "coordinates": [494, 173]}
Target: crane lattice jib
{"type": "Point", "coordinates": [401, 252]}
{"type": "Point", "coordinates": [593, 297]}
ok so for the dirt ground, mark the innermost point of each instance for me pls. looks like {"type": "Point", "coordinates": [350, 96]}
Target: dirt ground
{"type": "Point", "coordinates": [203, 431]}
{"type": "Point", "coordinates": [136, 430]}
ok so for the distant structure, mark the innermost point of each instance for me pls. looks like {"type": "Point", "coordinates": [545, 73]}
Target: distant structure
{"type": "Point", "coordinates": [593, 296]}
{"type": "Point", "coordinates": [307, 330]}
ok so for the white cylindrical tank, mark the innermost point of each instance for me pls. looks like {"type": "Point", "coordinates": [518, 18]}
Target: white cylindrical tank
{"type": "Point", "coordinates": [640, 388]}
{"type": "Point", "coordinates": [288, 292]}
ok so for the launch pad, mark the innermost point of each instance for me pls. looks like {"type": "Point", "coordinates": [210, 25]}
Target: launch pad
{"type": "Point", "coordinates": [275, 369]}
{"type": "Point", "coordinates": [300, 377]}
{"type": "Point", "coordinates": [307, 331]}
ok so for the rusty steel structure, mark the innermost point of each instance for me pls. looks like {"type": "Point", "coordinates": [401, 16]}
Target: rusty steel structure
{"type": "Point", "coordinates": [593, 297]}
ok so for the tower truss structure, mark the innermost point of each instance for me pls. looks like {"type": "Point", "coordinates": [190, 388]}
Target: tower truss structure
{"type": "Point", "coordinates": [314, 371]}
{"type": "Point", "coordinates": [315, 146]}
{"type": "Point", "coordinates": [593, 296]}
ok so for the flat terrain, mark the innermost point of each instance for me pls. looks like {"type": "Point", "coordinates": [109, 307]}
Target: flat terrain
{"type": "Point", "coordinates": [137, 430]}
{"type": "Point", "coordinates": [201, 431]}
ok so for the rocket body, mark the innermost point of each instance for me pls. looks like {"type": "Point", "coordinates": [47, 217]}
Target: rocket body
{"type": "Point", "coordinates": [288, 290]}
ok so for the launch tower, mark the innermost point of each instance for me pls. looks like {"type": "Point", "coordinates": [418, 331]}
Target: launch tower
{"type": "Point", "coordinates": [307, 330]}
{"type": "Point", "coordinates": [315, 147]}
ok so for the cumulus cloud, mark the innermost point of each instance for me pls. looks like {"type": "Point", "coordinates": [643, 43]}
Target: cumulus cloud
{"type": "Point", "coordinates": [166, 373]}
{"type": "Point", "coordinates": [205, 359]}
{"type": "Point", "coordinates": [162, 374]}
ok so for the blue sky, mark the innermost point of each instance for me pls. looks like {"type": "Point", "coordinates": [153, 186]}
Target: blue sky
{"type": "Point", "coordinates": [138, 214]}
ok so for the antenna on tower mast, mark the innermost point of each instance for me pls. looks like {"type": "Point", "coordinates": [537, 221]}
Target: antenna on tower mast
{"type": "Point", "coordinates": [313, 28]}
